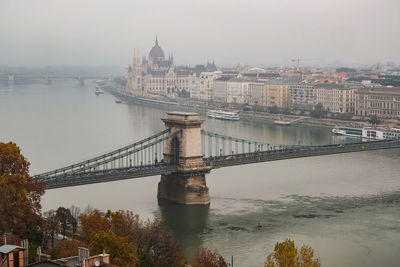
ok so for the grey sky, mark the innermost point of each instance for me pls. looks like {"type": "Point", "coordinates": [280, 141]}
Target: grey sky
{"type": "Point", "coordinates": [262, 33]}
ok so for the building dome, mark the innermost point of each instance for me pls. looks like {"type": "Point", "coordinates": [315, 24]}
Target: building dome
{"type": "Point", "coordinates": [156, 53]}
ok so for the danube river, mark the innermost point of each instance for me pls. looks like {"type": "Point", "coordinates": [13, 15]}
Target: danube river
{"type": "Point", "coordinates": [347, 207]}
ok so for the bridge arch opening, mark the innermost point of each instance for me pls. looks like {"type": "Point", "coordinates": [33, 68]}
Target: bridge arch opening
{"type": "Point", "coordinates": [175, 151]}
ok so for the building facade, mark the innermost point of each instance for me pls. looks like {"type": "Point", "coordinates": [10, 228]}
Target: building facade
{"type": "Point", "coordinates": [237, 92]}
{"type": "Point", "coordinates": [336, 98]}
{"type": "Point", "coordinates": [256, 93]}
{"type": "Point", "coordinates": [383, 102]}
{"type": "Point", "coordinates": [220, 93]}
{"type": "Point", "coordinates": [302, 96]}
{"type": "Point", "coordinates": [206, 85]}
{"type": "Point", "coordinates": [156, 75]}
{"type": "Point", "coordinates": [276, 93]}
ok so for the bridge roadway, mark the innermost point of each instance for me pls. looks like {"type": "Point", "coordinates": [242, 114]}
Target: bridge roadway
{"type": "Point", "coordinates": [298, 152]}
{"type": "Point", "coordinates": [90, 177]}
{"type": "Point", "coordinates": [101, 176]}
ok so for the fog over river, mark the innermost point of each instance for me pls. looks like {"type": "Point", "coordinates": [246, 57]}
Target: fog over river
{"type": "Point", "coordinates": [347, 207]}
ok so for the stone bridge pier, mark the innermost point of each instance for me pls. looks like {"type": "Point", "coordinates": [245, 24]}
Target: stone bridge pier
{"type": "Point", "coordinates": [188, 185]}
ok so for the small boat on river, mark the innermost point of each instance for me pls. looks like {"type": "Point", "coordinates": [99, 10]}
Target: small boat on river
{"type": "Point", "coordinates": [98, 91]}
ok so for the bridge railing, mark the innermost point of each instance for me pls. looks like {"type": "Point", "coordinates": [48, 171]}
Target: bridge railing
{"type": "Point", "coordinates": [296, 152]}
{"type": "Point", "coordinates": [215, 144]}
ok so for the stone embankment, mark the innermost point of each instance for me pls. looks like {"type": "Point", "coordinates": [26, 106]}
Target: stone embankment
{"type": "Point", "coordinates": [202, 107]}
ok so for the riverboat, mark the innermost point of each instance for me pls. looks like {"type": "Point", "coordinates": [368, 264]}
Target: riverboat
{"type": "Point", "coordinates": [98, 91]}
{"type": "Point", "coordinates": [224, 115]}
{"type": "Point", "coordinates": [378, 133]}
{"type": "Point", "coordinates": [283, 123]}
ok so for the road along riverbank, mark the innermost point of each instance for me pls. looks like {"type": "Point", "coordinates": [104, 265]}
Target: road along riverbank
{"type": "Point", "coordinates": [202, 107]}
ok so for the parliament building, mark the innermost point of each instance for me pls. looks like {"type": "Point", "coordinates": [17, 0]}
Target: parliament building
{"type": "Point", "coordinates": [158, 76]}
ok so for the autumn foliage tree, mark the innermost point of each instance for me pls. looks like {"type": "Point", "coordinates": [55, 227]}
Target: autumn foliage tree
{"type": "Point", "coordinates": [64, 249]}
{"type": "Point", "coordinates": [207, 258]}
{"type": "Point", "coordinates": [92, 223]}
{"type": "Point", "coordinates": [153, 244]}
{"type": "Point", "coordinates": [156, 246]}
{"type": "Point", "coordinates": [287, 255]}
{"type": "Point", "coordinates": [20, 209]}
{"type": "Point", "coordinates": [121, 251]}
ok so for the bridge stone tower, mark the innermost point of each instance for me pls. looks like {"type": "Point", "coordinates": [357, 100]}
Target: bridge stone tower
{"type": "Point", "coordinates": [188, 185]}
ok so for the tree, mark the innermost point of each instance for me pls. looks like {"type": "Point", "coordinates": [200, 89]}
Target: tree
{"type": "Point", "coordinates": [319, 111]}
{"type": "Point", "coordinates": [286, 110]}
{"type": "Point", "coordinates": [124, 223]}
{"type": "Point", "coordinates": [286, 255]}
{"type": "Point", "coordinates": [75, 211]}
{"type": "Point", "coordinates": [20, 209]}
{"type": "Point", "coordinates": [121, 251]}
{"type": "Point", "coordinates": [183, 93]}
{"type": "Point", "coordinates": [259, 108]}
{"type": "Point", "coordinates": [273, 110]}
{"type": "Point", "coordinates": [64, 215]}
{"type": "Point", "coordinates": [156, 247]}
{"type": "Point", "coordinates": [64, 249]}
{"type": "Point", "coordinates": [51, 227]}
{"type": "Point", "coordinates": [92, 223]}
{"type": "Point", "coordinates": [345, 116]}
{"type": "Point", "coordinates": [207, 258]}
{"type": "Point", "coordinates": [374, 120]}
{"type": "Point", "coordinates": [153, 243]}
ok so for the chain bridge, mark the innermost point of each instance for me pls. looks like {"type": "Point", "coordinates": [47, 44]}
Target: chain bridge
{"type": "Point", "coordinates": [183, 154]}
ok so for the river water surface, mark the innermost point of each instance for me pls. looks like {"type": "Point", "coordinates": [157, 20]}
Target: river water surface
{"type": "Point", "coordinates": [347, 207]}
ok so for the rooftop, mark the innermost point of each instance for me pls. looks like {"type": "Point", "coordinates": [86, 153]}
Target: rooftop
{"type": "Point", "coordinates": [223, 78]}
{"type": "Point", "coordinates": [5, 249]}
{"type": "Point", "coordinates": [284, 81]}
{"type": "Point", "coordinates": [339, 85]}
{"type": "Point", "coordinates": [389, 90]}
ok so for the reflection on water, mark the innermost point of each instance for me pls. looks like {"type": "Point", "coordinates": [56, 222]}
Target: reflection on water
{"type": "Point", "coordinates": [343, 231]}
{"type": "Point", "coordinates": [187, 223]}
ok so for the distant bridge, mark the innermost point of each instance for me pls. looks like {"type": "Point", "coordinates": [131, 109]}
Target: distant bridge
{"type": "Point", "coordinates": [11, 78]}
{"type": "Point", "coordinates": [183, 153]}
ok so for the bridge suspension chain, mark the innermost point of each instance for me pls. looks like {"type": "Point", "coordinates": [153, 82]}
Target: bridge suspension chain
{"type": "Point", "coordinates": [145, 152]}
{"type": "Point", "coordinates": [215, 145]}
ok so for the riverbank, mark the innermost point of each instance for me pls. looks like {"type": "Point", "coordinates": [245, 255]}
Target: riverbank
{"type": "Point", "coordinates": [201, 107]}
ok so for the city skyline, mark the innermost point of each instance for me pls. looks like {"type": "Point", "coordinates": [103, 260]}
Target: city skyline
{"type": "Point", "coordinates": [258, 33]}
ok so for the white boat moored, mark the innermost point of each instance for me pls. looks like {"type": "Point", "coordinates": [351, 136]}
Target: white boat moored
{"type": "Point", "coordinates": [223, 115]}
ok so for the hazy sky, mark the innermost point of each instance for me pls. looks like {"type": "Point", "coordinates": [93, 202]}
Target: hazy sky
{"type": "Point", "coordinates": [259, 33]}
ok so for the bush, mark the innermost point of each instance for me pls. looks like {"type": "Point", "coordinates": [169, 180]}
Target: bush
{"type": "Point", "coordinates": [345, 116]}
{"type": "Point", "coordinates": [287, 255]}
{"type": "Point", "coordinates": [319, 111]}
{"type": "Point", "coordinates": [207, 258]}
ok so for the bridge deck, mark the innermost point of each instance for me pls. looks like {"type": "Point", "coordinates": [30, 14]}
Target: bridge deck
{"type": "Point", "coordinates": [272, 155]}
{"type": "Point", "coordinates": [108, 175]}
{"type": "Point", "coordinates": [100, 169]}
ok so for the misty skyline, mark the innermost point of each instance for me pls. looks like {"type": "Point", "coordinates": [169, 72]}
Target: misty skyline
{"type": "Point", "coordinates": [258, 33]}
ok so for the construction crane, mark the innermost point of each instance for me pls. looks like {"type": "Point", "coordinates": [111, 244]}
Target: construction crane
{"type": "Point", "coordinates": [302, 59]}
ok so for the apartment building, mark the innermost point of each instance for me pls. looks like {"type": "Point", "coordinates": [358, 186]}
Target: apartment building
{"type": "Point", "coordinates": [276, 92]}
{"type": "Point", "coordinates": [237, 92]}
{"type": "Point", "coordinates": [383, 102]}
{"type": "Point", "coordinates": [336, 98]}
{"type": "Point", "coordinates": [302, 96]}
